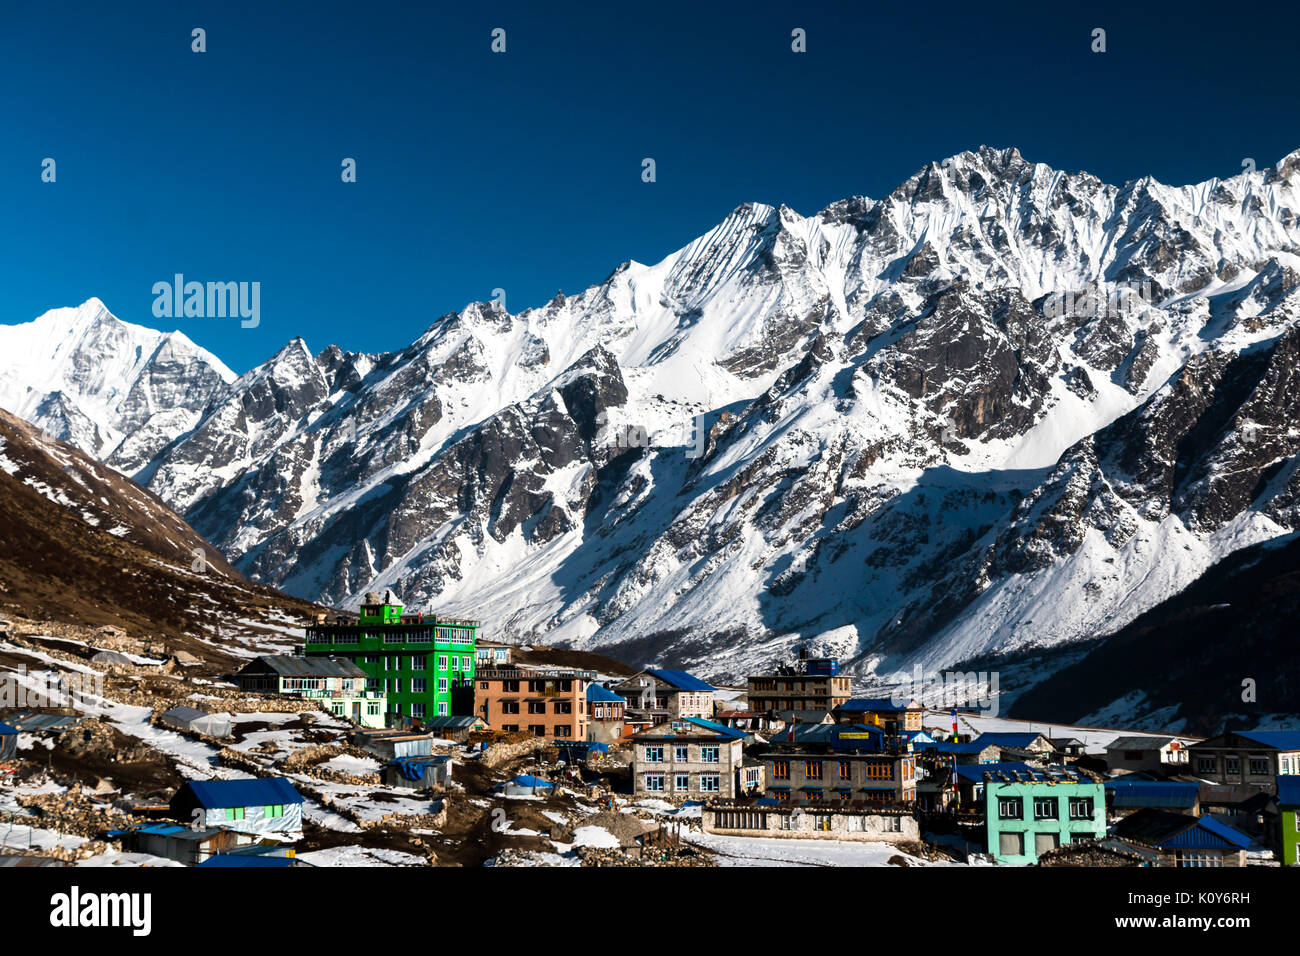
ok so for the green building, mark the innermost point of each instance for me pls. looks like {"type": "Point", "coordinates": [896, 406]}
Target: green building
{"type": "Point", "coordinates": [1030, 810]}
{"type": "Point", "coordinates": [1288, 813]}
{"type": "Point", "coordinates": [422, 664]}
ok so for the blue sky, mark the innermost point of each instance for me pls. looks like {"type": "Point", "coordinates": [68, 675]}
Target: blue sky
{"type": "Point", "coordinates": [523, 170]}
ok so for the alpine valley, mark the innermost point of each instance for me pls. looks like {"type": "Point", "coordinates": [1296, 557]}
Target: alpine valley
{"type": "Point", "coordinates": [998, 414]}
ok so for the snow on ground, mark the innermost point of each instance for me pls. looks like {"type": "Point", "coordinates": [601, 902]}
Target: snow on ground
{"type": "Point", "coordinates": [346, 763]}
{"type": "Point", "coordinates": [594, 836]}
{"type": "Point", "coordinates": [938, 724]}
{"type": "Point", "coordinates": [775, 851]}
{"type": "Point", "coordinates": [360, 856]}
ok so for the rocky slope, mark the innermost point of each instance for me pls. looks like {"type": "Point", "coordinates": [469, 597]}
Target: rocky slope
{"type": "Point", "coordinates": [1004, 407]}
{"type": "Point", "coordinates": [80, 544]}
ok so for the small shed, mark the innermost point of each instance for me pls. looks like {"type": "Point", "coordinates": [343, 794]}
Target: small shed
{"type": "Point", "coordinates": [249, 805]}
{"type": "Point", "coordinates": [418, 773]}
{"type": "Point", "coordinates": [526, 785]}
{"type": "Point", "coordinates": [8, 742]}
{"type": "Point", "coordinates": [196, 721]}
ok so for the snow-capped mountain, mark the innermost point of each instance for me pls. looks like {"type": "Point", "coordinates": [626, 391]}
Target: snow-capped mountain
{"type": "Point", "coordinates": [117, 391]}
{"type": "Point", "coordinates": [1002, 407]}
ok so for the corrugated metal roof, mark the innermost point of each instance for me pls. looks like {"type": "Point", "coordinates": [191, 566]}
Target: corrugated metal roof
{"type": "Point", "coordinates": [1288, 790]}
{"type": "Point", "coordinates": [30, 722]}
{"type": "Point", "coordinates": [315, 666]}
{"type": "Point", "coordinates": [882, 704]}
{"type": "Point", "coordinates": [233, 860]}
{"type": "Point", "coordinates": [1168, 830]}
{"type": "Point", "coordinates": [680, 679]}
{"type": "Point", "coordinates": [185, 714]}
{"type": "Point", "coordinates": [6, 729]}
{"type": "Point", "coordinates": [1139, 743]}
{"type": "Point", "coordinates": [248, 792]}
{"type": "Point", "coordinates": [1168, 795]}
{"type": "Point", "coordinates": [1275, 739]}
{"type": "Point", "coordinates": [596, 694]}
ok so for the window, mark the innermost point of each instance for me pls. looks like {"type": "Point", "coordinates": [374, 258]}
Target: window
{"type": "Point", "coordinates": [1081, 808]}
{"type": "Point", "coordinates": [781, 771]}
{"type": "Point", "coordinates": [682, 781]}
{"type": "Point", "coordinates": [418, 685]}
{"type": "Point", "coordinates": [465, 663]}
{"type": "Point", "coordinates": [418, 663]}
{"type": "Point", "coordinates": [1046, 808]}
{"type": "Point", "coordinates": [442, 662]}
{"type": "Point", "coordinates": [417, 710]}
{"type": "Point", "coordinates": [681, 753]}
{"type": "Point", "coordinates": [1232, 766]}
{"type": "Point", "coordinates": [1046, 842]}
{"type": "Point", "coordinates": [1011, 844]}
{"type": "Point", "coordinates": [397, 686]}
{"type": "Point", "coordinates": [537, 730]}
{"type": "Point", "coordinates": [234, 813]}
{"type": "Point", "coordinates": [710, 782]}
{"type": "Point", "coordinates": [442, 685]}
{"type": "Point", "coordinates": [1205, 764]}
{"type": "Point", "coordinates": [708, 754]}
{"type": "Point", "coordinates": [537, 706]}
{"type": "Point", "coordinates": [564, 706]}
{"type": "Point", "coordinates": [442, 709]}
{"type": "Point", "coordinates": [1259, 766]}
{"type": "Point", "coordinates": [654, 781]}
{"type": "Point", "coordinates": [1011, 808]}
{"type": "Point", "coordinates": [654, 754]}
{"type": "Point", "coordinates": [372, 709]}
{"type": "Point", "coordinates": [510, 728]}
{"type": "Point", "coordinates": [812, 769]}
{"type": "Point", "coordinates": [273, 812]}
{"type": "Point", "coordinates": [846, 770]}
{"type": "Point", "coordinates": [510, 707]}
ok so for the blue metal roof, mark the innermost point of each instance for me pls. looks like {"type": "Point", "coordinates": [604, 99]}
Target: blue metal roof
{"type": "Point", "coordinates": [948, 747]}
{"type": "Point", "coordinates": [730, 732]}
{"type": "Point", "coordinates": [6, 729]}
{"type": "Point", "coordinates": [232, 860]}
{"type": "Point", "coordinates": [1288, 790]}
{"type": "Point", "coordinates": [1167, 794]}
{"type": "Point", "coordinates": [249, 792]}
{"type": "Point", "coordinates": [882, 704]}
{"type": "Point", "coordinates": [1206, 833]}
{"type": "Point", "coordinates": [596, 694]}
{"type": "Point", "coordinates": [534, 783]}
{"type": "Point", "coordinates": [680, 679]}
{"type": "Point", "coordinates": [1276, 739]}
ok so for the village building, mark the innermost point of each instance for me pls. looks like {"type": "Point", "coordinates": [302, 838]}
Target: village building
{"type": "Point", "coordinates": [750, 721]}
{"type": "Point", "coordinates": [811, 683]}
{"type": "Point", "coordinates": [667, 695]}
{"type": "Point", "coordinates": [837, 764]}
{"type": "Point", "coordinates": [423, 665]}
{"type": "Point", "coordinates": [259, 805]}
{"type": "Point", "coordinates": [418, 773]}
{"type": "Point", "coordinates": [1030, 812]}
{"type": "Point", "coordinates": [1128, 795]}
{"type": "Point", "coordinates": [1256, 758]}
{"type": "Point", "coordinates": [494, 653]}
{"type": "Point", "coordinates": [688, 759]}
{"type": "Point", "coordinates": [883, 712]}
{"type": "Point", "coordinates": [784, 719]}
{"type": "Point", "coordinates": [337, 684]}
{"type": "Point", "coordinates": [768, 818]}
{"type": "Point", "coordinates": [1068, 747]}
{"type": "Point", "coordinates": [605, 711]}
{"type": "Point", "coordinates": [183, 844]}
{"type": "Point", "coordinates": [1181, 840]}
{"type": "Point", "coordinates": [1018, 745]}
{"type": "Point", "coordinates": [541, 701]}
{"type": "Point", "coordinates": [454, 727]}
{"type": "Point", "coordinates": [1288, 807]}
{"type": "Point", "coordinates": [1138, 754]}
{"type": "Point", "coordinates": [392, 744]}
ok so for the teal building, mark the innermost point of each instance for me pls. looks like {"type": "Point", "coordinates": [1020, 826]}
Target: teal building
{"type": "Point", "coordinates": [1031, 810]}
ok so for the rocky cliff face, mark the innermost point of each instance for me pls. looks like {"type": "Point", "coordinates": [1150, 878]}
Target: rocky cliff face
{"type": "Point", "coordinates": [1003, 407]}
